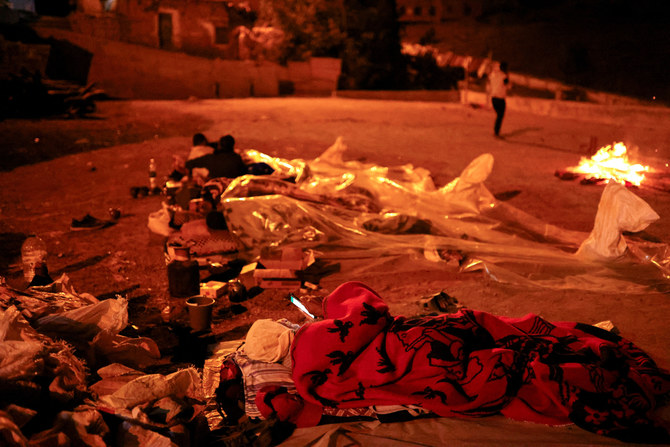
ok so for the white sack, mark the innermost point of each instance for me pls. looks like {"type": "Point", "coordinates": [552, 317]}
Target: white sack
{"type": "Point", "coordinates": [619, 210]}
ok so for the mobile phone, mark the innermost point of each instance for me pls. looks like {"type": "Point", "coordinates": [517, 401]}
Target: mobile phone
{"type": "Point", "coordinates": [297, 303]}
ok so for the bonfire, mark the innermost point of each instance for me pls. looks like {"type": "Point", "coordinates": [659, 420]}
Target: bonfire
{"type": "Point", "coordinates": [611, 163]}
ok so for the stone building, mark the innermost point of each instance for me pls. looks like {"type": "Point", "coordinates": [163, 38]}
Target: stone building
{"type": "Point", "coordinates": [197, 27]}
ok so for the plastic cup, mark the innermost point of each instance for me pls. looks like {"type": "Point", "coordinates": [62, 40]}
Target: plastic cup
{"type": "Point", "coordinates": [200, 312]}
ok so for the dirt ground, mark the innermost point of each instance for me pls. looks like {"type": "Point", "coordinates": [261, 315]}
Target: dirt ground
{"type": "Point", "coordinates": [91, 164]}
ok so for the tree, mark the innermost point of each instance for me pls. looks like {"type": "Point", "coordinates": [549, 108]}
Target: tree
{"type": "Point", "coordinates": [311, 27]}
{"type": "Point", "coordinates": [363, 33]}
{"type": "Point", "coordinates": [372, 56]}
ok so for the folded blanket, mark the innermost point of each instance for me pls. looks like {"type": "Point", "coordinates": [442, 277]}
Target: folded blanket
{"type": "Point", "coordinates": [475, 364]}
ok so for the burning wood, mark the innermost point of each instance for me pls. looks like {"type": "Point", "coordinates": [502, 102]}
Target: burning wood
{"type": "Point", "coordinates": [609, 163]}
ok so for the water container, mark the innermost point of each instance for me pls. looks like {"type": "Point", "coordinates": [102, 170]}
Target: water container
{"type": "Point", "coordinates": [183, 274]}
{"type": "Point", "coordinates": [33, 253]}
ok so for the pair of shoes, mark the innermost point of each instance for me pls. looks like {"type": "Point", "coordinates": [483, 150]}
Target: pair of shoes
{"type": "Point", "coordinates": [88, 222]}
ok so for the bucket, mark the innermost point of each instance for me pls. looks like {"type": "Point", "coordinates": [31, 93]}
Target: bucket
{"type": "Point", "coordinates": [200, 312]}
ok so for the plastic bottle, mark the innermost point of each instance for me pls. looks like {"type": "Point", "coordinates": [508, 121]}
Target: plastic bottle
{"type": "Point", "coordinates": [33, 253]}
{"type": "Point", "coordinates": [152, 175]}
{"type": "Point", "coordinates": [183, 274]}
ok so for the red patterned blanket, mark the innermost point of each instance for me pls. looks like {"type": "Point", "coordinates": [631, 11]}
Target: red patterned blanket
{"type": "Point", "coordinates": [472, 363]}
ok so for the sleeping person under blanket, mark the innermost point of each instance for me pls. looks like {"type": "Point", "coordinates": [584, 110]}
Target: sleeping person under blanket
{"type": "Point", "coordinates": [465, 364]}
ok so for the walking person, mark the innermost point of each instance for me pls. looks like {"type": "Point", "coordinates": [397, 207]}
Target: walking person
{"type": "Point", "coordinates": [498, 86]}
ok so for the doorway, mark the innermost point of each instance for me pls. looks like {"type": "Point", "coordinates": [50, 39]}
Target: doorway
{"type": "Point", "coordinates": [165, 31]}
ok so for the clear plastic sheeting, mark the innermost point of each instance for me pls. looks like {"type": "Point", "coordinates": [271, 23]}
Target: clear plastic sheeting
{"type": "Point", "coordinates": [352, 210]}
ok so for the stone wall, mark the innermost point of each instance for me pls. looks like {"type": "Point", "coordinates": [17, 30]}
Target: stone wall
{"type": "Point", "coordinates": [134, 71]}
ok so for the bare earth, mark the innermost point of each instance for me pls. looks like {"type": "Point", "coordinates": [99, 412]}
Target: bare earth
{"type": "Point", "coordinates": [128, 259]}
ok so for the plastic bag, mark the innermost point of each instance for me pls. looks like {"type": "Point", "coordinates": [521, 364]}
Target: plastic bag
{"type": "Point", "coordinates": [619, 210]}
{"type": "Point", "coordinates": [84, 323]}
{"type": "Point", "coordinates": [159, 221]}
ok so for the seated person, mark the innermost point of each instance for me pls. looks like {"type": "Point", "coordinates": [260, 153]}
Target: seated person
{"type": "Point", "coordinates": [224, 162]}
{"type": "Point", "coordinates": [200, 148]}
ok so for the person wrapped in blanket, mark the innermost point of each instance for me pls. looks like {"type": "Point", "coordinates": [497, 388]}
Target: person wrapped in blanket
{"type": "Point", "coordinates": [464, 364]}
{"type": "Point", "coordinates": [256, 380]}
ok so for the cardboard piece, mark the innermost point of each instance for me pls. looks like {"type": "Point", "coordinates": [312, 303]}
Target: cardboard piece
{"type": "Point", "coordinates": [246, 275]}
{"type": "Point", "coordinates": [213, 289]}
{"type": "Point", "coordinates": [290, 258]}
{"type": "Point", "coordinates": [280, 271]}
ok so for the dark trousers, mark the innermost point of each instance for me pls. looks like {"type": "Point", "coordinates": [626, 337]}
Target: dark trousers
{"type": "Point", "coordinates": [499, 106]}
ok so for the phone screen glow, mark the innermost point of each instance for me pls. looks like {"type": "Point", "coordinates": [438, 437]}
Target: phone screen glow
{"type": "Point", "coordinates": [301, 306]}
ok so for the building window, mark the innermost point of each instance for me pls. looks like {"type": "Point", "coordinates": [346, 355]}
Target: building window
{"type": "Point", "coordinates": [432, 11]}
{"type": "Point", "coordinates": [221, 35]}
{"type": "Point", "coordinates": [417, 11]}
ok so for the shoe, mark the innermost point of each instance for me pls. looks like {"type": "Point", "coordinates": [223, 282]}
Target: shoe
{"type": "Point", "coordinates": [88, 222]}
{"type": "Point", "coordinates": [442, 302]}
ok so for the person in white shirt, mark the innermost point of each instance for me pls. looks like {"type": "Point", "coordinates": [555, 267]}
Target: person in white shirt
{"type": "Point", "coordinates": [498, 86]}
{"type": "Point", "coordinates": [200, 147]}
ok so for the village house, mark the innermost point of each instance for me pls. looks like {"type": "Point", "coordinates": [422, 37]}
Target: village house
{"type": "Point", "coordinates": [198, 27]}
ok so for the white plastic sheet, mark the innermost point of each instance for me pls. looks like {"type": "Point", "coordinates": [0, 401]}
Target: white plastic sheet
{"type": "Point", "coordinates": [347, 209]}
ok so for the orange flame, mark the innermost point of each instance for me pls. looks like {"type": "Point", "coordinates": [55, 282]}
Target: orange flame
{"type": "Point", "coordinates": [611, 163]}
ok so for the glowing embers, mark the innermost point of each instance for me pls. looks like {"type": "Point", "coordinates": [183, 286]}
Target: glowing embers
{"type": "Point", "coordinates": [609, 163]}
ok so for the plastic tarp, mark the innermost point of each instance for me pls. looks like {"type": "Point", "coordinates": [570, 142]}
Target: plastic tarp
{"type": "Point", "coordinates": [353, 210]}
